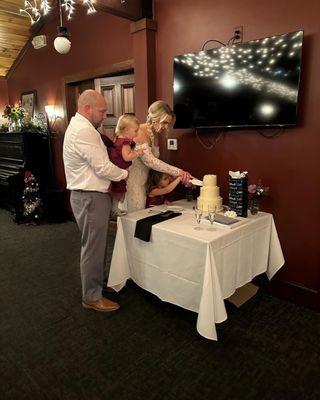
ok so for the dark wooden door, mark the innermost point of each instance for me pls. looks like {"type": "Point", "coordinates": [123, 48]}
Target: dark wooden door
{"type": "Point", "coordinates": [119, 94]}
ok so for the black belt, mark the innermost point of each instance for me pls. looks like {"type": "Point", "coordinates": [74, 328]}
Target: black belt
{"type": "Point", "coordinates": [88, 191]}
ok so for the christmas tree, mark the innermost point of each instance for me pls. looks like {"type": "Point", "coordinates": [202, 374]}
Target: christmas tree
{"type": "Point", "coordinates": [32, 204]}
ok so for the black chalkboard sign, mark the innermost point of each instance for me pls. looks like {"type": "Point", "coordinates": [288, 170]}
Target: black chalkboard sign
{"type": "Point", "coordinates": [238, 196]}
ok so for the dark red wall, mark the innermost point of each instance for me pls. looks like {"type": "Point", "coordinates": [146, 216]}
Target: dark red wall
{"type": "Point", "coordinates": [3, 95]}
{"type": "Point", "coordinates": [288, 163]}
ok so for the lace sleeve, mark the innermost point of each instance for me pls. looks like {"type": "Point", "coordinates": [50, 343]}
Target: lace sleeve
{"type": "Point", "coordinates": [154, 163]}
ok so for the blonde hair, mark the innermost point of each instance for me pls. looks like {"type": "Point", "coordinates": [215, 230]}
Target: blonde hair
{"type": "Point", "coordinates": [158, 111]}
{"type": "Point", "coordinates": [124, 121]}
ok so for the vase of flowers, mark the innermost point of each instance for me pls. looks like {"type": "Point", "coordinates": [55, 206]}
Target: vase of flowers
{"type": "Point", "coordinates": [15, 115]}
{"type": "Point", "coordinates": [255, 193]}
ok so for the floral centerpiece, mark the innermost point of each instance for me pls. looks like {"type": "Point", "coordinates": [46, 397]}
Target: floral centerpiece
{"type": "Point", "coordinates": [36, 124]}
{"type": "Point", "coordinates": [15, 115]}
{"type": "Point", "coordinates": [19, 120]}
{"type": "Point", "coordinates": [256, 192]}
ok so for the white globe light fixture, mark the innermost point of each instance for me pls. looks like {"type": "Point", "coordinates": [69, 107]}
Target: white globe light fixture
{"type": "Point", "coordinates": [62, 44]}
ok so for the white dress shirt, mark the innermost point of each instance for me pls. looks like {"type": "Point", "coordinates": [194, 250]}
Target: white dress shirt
{"type": "Point", "coordinates": [86, 161]}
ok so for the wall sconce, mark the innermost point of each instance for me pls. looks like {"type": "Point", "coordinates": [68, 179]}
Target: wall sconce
{"type": "Point", "coordinates": [51, 117]}
{"type": "Point", "coordinates": [55, 116]}
{"type": "Point", "coordinates": [50, 112]}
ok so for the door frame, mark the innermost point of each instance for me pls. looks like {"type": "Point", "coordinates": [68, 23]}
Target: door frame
{"type": "Point", "coordinates": [121, 68]}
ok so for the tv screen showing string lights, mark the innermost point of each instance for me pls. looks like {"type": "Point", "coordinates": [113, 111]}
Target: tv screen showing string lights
{"type": "Point", "coordinates": [252, 84]}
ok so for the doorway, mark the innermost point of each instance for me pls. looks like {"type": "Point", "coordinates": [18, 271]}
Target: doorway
{"type": "Point", "coordinates": [118, 90]}
{"type": "Point", "coordinates": [119, 94]}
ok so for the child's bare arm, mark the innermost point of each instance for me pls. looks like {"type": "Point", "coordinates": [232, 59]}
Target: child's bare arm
{"type": "Point", "coordinates": [128, 154]}
{"type": "Point", "coordinates": [168, 189]}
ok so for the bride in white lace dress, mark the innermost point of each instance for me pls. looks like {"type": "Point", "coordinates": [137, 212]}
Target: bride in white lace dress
{"type": "Point", "coordinates": [160, 119]}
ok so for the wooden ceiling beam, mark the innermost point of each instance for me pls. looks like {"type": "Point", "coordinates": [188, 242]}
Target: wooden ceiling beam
{"type": "Point", "coordinates": [130, 9]}
{"type": "Point", "coordinates": [53, 14]}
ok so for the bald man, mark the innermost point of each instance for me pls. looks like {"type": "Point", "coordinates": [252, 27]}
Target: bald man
{"type": "Point", "coordinates": [89, 173]}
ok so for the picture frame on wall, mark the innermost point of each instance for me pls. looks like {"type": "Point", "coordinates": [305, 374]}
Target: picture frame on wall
{"type": "Point", "coordinates": [28, 101]}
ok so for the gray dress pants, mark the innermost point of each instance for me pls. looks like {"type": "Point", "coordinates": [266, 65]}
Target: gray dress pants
{"type": "Point", "coordinates": [91, 211]}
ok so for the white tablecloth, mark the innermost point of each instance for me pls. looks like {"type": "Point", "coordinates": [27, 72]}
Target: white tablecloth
{"type": "Point", "coordinates": [195, 269]}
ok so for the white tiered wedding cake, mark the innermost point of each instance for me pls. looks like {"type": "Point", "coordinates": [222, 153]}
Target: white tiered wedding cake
{"type": "Point", "coordinates": [209, 199]}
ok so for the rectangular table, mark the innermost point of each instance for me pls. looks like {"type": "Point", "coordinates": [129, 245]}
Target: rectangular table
{"type": "Point", "coordinates": [195, 269]}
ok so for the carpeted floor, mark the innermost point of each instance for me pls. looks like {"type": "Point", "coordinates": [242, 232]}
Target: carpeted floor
{"type": "Point", "coordinates": [52, 348]}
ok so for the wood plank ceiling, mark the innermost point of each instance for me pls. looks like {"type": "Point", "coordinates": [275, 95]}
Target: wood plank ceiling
{"type": "Point", "coordinates": [14, 33]}
{"type": "Point", "coordinates": [15, 29]}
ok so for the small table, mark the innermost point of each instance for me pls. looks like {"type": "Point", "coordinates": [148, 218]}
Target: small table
{"type": "Point", "coordinates": [195, 269]}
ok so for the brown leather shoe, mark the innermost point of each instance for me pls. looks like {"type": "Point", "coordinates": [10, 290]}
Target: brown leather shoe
{"type": "Point", "coordinates": [102, 304]}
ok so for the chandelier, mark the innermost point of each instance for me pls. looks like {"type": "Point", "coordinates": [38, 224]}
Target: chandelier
{"type": "Point", "coordinates": [35, 9]}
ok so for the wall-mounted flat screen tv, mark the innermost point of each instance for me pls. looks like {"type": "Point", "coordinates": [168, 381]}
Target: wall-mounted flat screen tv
{"type": "Point", "coordinates": [252, 84]}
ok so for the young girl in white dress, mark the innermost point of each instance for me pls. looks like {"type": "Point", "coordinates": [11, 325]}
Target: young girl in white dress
{"type": "Point", "coordinates": [160, 119]}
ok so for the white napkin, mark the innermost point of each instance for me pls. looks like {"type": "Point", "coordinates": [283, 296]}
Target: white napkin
{"type": "Point", "coordinates": [196, 182]}
{"type": "Point", "coordinates": [238, 174]}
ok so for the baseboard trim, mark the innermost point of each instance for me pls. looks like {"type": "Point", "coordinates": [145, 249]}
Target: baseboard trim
{"type": "Point", "coordinates": [301, 287]}
{"type": "Point", "coordinates": [295, 293]}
